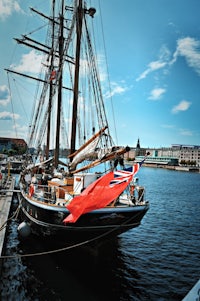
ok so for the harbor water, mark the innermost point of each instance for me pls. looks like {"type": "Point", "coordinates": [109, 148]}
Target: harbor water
{"type": "Point", "coordinates": [158, 261]}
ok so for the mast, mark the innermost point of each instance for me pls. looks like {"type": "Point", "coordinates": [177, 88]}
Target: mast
{"type": "Point", "coordinates": [59, 103]}
{"type": "Point", "coordinates": [79, 20]}
{"type": "Point", "coordinates": [51, 85]}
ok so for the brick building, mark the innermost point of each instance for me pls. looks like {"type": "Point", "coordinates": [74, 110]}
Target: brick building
{"type": "Point", "coordinates": [9, 143]}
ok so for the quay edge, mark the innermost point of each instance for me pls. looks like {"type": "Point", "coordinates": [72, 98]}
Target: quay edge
{"type": "Point", "coordinates": [6, 195]}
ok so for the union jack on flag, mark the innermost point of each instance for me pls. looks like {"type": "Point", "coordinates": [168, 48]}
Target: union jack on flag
{"type": "Point", "coordinates": [121, 176]}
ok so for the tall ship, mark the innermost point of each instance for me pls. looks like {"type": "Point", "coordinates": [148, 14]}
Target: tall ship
{"type": "Point", "coordinates": [85, 192]}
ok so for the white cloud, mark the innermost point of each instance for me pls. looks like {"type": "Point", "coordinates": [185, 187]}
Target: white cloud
{"type": "Point", "coordinates": [155, 65]}
{"type": "Point", "coordinates": [16, 131]}
{"type": "Point", "coordinates": [20, 130]}
{"type": "Point", "coordinates": [157, 93]}
{"type": "Point", "coordinates": [101, 61]}
{"type": "Point", "coordinates": [7, 7]}
{"type": "Point", "coordinates": [167, 126]}
{"type": "Point", "coordinates": [189, 48]}
{"type": "Point", "coordinates": [185, 132]}
{"type": "Point", "coordinates": [182, 106]}
{"type": "Point", "coordinates": [8, 116]}
{"type": "Point", "coordinates": [182, 132]}
{"type": "Point", "coordinates": [86, 66]}
{"type": "Point", "coordinates": [4, 95]}
{"type": "Point", "coordinates": [164, 58]}
{"type": "Point", "coordinates": [30, 62]}
{"type": "Point", "coordinates": [116, 89]}
{"type": "Point", "coordinates": [186, 47]}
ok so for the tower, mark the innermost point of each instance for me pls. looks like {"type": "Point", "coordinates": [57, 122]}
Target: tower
{"type": "Point", "coordinates": [137, 150]}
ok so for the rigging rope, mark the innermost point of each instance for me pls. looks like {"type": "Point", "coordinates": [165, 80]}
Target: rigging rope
{"type": "Point", "coordinates": [37, 118]}
{"type": "Point", "coordinates": [108, 73]}
{"type": "Point", "coordinates": [15, 126]}
{"type": "Point", "coordinates": [25, 113]}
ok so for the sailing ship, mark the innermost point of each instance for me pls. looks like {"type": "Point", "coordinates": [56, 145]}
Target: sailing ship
{"type": "Point", "coordinates": [90, 194]}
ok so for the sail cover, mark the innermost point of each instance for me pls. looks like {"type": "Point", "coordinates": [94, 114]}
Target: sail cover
{"type": "Point", "coordinates": [99, 194]}
{"type": "Point", "coordinates": [85, 153]}
{"type": "Point", "coordinates": [86, 150]}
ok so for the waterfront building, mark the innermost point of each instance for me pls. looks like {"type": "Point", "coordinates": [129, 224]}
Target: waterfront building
{"type": "Point", "coordinates": [9, 143]}
{"type": "Point", "coordinates": [188, 154]}
{"type": "Point", "coordinates": [177, 154]}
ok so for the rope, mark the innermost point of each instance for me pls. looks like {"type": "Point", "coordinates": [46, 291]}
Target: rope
{"type": "Point", "coordinates": [12, 217]}
{"type": "Point", "coordinates": [11, 100]}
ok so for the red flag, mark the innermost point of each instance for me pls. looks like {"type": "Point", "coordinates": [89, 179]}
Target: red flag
{"type": "Point", "coordinates": [136, 167]}
{"type": "Point", "coordinates": [97, 195]}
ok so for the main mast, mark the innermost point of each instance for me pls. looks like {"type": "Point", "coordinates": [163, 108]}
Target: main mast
{"type": "Point", "coordinates": [79, 22]}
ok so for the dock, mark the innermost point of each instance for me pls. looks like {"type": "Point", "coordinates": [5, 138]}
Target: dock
{"type": "Point", "coordinates": [6, 194]}
{"type": "Point", "coordinates": [194, 293]}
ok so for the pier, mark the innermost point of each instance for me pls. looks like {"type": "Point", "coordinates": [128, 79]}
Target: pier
{"type": "Point", "coordinates": [194, 293]}
{"type": "Point", "coordinates": [6, 194]}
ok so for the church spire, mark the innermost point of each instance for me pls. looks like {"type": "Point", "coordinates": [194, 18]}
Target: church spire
{"type": "Point", "coordinates": [137, 150]}
{"type": "Point", "coordinates": [138, 144]}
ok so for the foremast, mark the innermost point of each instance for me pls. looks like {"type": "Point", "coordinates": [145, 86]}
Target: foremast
{"type": "Point", "coordinates": [59, 101]}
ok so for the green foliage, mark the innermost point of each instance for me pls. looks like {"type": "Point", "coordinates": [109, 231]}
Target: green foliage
{"type": "Point", "coordinates": [188, 162]}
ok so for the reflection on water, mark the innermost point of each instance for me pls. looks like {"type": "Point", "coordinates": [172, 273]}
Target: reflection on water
{"type": "Point", "coordinates": [86, 274]}
{"type": "Point", "coordinates": [157, 261]}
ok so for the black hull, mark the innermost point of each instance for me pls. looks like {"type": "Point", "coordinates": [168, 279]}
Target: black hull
{"type": "Point", "coordinates": [47, 221]}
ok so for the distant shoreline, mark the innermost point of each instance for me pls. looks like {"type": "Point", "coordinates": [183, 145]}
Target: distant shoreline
{"type": "Point", "coordinates": [177, 168]}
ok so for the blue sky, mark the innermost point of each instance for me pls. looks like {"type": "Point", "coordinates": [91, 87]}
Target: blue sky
{"type": "Point", "coordinates": [153, 56]}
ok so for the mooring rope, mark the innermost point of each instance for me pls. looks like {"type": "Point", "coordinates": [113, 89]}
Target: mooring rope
{"type": "Point", "coordinates": [12, 217]}
{"type": "Point", "coordinates": [67, 247]}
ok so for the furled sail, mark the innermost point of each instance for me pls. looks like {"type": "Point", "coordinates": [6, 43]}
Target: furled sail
{"type": "Point", "coordinates": [110, 155]}
{"type": "Point", "coordinates": [87, 150]}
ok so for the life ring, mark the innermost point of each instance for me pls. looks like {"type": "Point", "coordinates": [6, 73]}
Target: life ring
{"type": "Point", "coordinates": [31, 190]}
